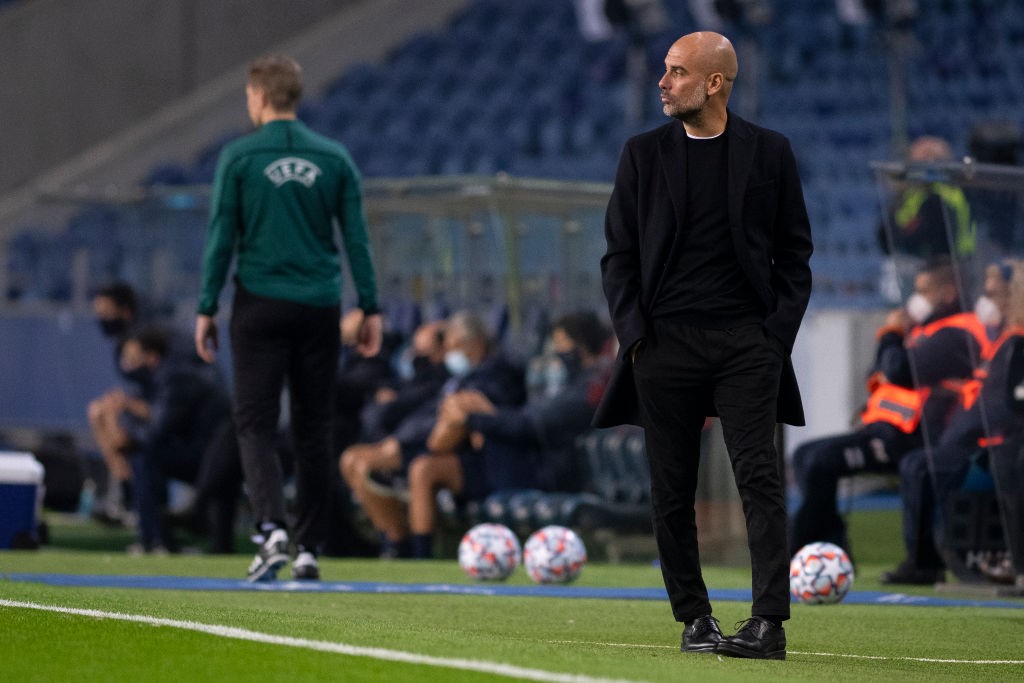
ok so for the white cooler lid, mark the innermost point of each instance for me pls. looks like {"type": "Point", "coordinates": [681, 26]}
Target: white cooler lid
{"type": "Point", "coordinates": [20, 468]}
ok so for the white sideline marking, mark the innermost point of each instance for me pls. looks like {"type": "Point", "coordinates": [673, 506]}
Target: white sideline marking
{"type": "Point", "coordinates": [929, 660]}
{"type": "Point", "coordinates": [495, 668]}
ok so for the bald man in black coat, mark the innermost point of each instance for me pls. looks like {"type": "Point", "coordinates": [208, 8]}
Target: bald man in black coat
{"type": "Point", "coordinates": [707, 278]}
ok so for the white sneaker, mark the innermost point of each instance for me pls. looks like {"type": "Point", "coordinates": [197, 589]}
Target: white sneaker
{"type": "Point", "coordinates": [305, 567]}
{"type": "Point", "coordinates": [272, 555]}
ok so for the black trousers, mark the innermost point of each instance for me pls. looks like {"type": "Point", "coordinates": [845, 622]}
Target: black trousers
{"type": "Point", "coordinates": [678, 371]}
{"type": "Point", "coordinates": [153, 466]}
{"type": "Point", "coordinates": [271, 341]}
{"type": "Point", "coordinates": [1007, 465]}
{"type": "Point", "coordinates": [927, 478]}
{"type": "Point", "coordinates": [217, 486]}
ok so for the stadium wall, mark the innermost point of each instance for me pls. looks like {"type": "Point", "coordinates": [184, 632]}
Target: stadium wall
{"type": "Point", "coordinates": [832, 357]}
{"type": "Point", "coordinates": [53, 365]}
{"type": "Point", "coordinates": [76, 72]}
{"type": "Point", "coordinates": [53, 113]}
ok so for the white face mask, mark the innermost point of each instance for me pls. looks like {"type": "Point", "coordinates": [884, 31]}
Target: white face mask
{"type": "Point", "coordinates": [919, 308]}
{"type": "Point", "coordinates": [987, 311]}
{"type": "Point", "coordinates": [457, 363]}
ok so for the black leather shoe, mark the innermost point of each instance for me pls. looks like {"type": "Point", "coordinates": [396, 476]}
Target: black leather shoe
{"type": "Point", "coordinates": [757, 638]}
{"type": "Point", "coordinates": [910, 575]}
{"type": "Point", "coordinates": [702, 635]}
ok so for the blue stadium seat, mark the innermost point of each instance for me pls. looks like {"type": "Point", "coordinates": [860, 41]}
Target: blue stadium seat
{"type": "Point", "coordinates": [417, 51]}
{"type": "Point", "coordinates": [523, 69]}
{"type": "Point", "coordinates": [167, 173]}
{"type": "Point", "coordinates": [615, 493]}
{"type": "Point", "coordinates": [357, 80]}
{"type": "Point", "coordinates": [24, 252]}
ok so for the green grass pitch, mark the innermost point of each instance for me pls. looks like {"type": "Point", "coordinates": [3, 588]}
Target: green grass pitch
{"type": "Point", "coordinates": [545, 638]}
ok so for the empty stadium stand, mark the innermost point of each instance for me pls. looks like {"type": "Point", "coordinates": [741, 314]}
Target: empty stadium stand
{"type": "Point", "coordinates": [515, 88]}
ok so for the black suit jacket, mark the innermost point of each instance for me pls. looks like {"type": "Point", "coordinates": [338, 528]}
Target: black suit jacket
{"type": "Point", "coordinates": [770, 232]}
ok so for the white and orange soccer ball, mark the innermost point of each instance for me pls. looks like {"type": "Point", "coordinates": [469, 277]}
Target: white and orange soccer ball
{"type": "Point", "coordinates": [489, 552]}
{"type": "Point", "coordinates": [820, 573]}
{"type": "Point", "coordinates": [554, 554]}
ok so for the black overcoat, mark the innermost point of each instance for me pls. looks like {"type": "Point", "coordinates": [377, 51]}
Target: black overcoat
{"type": "Point", "coordinates": [770, 232]}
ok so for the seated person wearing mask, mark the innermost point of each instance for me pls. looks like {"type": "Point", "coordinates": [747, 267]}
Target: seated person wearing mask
{"type": "Point", "coordinates": [178, 427]}
{"type": "Point", "coordinates": [474, 362]}
{"type": "Point", "coordinates": [479, 448]}
{"type": "Point", "coordinates": [115, 307]}
{"type": "Point", "coordinates": [924, 351]}
{"type": "Point", "coordinates": [982, 419]}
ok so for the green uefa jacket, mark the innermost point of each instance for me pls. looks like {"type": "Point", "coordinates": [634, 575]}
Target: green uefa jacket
{"type": "Point", "coordinates": [275, 196]}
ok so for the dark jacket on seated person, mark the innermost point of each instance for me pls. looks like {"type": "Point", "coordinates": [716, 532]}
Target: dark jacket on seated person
{"type": "Point", "coordinates": [381, 419]}
{"type": "Point", "coordinates": [187, 409]}
{"type": "Point", "coordinates": [546, 428]}
{"type": "Point", "coordinates": [498, 378]}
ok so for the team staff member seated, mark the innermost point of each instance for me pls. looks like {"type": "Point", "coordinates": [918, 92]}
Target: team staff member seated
{"type": "Point", "coordinates": [178, 427]}
{"type": "Point", "coordinates": [930, 341]}
{"type": "Point", "coordinates": [479, 448]}
{"type": "Point", "coordinates": [982, 420]}
{"type": "Point", "coordinates": [1006, 461]}
{"type": "Point", "coordinates": [375, 471]}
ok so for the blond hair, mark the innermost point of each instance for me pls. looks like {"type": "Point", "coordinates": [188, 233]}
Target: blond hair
{"type": "Point", "coordinates": [280, 78]}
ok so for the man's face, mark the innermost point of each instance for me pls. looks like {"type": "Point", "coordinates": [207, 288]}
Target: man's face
{"type": "Point", "coordinates": [562, 342]}
{"type": "Point", "coordinates": [113, 319]}
{"type": "Point", "coordinates": [104, 308]}
{"type": "Point", "coordinates": [925, 285]}
{"type": "Point", "coordinates": [456, 340]}
{"type": "Point", "coordinates": [684, 85]}
{"type": "Point", "coordinates": [425, 343]}
{"type": "Point", "coordinates": [132, 356]}
{"type": "Point", "coordinates": [998, 290]}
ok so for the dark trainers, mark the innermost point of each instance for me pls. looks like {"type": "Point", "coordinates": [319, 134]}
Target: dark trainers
{"type": "Point", "coordinates": [388, 485]}
{"type": "Point", "coordinates": [701, 635]}
{"type": "Point", "coordinates": [305, 567]}
{"type": "Point", "coordinates": [907, 573]}
{"type": "Point", "coordinates": [271, 556]}
{"type": "Point", "coordinates": [757, 638]}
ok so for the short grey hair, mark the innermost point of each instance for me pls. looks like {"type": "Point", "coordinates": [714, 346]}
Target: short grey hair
{"type": "Point", "coordinates": [471, 326]}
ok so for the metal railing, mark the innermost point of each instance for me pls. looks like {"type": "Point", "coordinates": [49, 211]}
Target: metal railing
{"type": "Point", "coordinates": [456, 241]}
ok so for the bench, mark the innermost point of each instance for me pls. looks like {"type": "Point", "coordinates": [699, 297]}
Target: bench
{"type": "Point", "coordinates": [614, 499]}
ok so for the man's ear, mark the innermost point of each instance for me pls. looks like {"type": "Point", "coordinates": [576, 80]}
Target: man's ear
{"type": "Point", "coordinates": [714, 83]}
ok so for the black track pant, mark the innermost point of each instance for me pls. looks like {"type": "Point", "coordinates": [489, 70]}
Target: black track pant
{"type": "Point", "coordinates": [271, 341]}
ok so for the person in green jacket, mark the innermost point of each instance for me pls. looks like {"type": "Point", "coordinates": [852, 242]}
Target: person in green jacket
{"type": "Point", "coordinates": [277, 194]}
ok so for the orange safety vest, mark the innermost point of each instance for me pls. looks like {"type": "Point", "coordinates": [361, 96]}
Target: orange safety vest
{"type": "Point", "coordinates": [899, 406]}
{"type": "Point", "coordinates": [965, 321]}
{"type": "Point", "coordinates": [903, 407]}
{"type": "Point", "coordinates": [971, 389]}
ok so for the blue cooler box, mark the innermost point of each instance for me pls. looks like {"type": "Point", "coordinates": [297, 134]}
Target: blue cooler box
{"type": "Point", "coordinates": [21, 495]}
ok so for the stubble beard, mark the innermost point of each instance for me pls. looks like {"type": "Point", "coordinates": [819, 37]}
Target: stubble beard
{"type": "Point", "coordinates": [690, 111]}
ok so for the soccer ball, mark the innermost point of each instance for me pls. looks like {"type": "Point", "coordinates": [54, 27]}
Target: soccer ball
{"type": "Point", "coordinates": [489, 552]}
{"type": "Point", "coordinates": [554, 554]}
{"type": "Point", "coordinates": [820, 573]}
